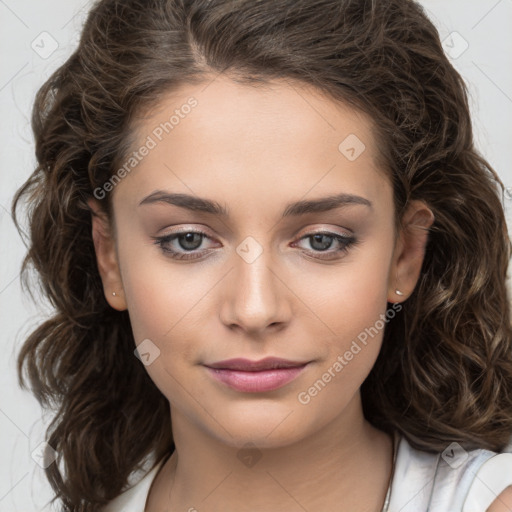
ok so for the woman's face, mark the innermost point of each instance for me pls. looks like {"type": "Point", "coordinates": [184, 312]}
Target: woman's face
{"type": "Point", "coordinates": [298, 264]}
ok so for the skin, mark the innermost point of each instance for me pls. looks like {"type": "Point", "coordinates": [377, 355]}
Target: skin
{"type": "Point", "coordinates": [254, 150]}
{"type": "Point", "coordinates": [503, 503]}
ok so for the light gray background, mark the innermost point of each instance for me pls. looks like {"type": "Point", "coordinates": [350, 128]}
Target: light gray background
{"type": "Point", "coordinates": [482, 25]}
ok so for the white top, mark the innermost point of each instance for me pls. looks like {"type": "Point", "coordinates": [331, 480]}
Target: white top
{"type": "Point", "coordinates": [451, 481]}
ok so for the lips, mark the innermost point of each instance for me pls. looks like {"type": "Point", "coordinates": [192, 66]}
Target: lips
{"type": "Point", "coordinates": [246, 365]}
{"type": "Point", "coordinates": [256, 376]}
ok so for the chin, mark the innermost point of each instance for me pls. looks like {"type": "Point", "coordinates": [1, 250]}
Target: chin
{"type": "Point", "coordinates": [267, 424]}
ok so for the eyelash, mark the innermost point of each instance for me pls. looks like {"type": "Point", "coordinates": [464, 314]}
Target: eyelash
{"type": "Point", "coordinates": [346, 241]}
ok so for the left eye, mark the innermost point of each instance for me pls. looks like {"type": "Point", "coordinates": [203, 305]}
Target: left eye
{"type": "Point", "coordinates": [324, 240]}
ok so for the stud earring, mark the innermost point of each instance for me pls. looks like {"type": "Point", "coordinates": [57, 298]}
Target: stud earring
{"type": "Point", "coordinates": [114, 294]}
{"type": "Point", "coordinates": [398, 292]}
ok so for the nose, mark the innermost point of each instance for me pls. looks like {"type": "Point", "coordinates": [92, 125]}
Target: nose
{"type": "Point", "coordinates": [255, 296]}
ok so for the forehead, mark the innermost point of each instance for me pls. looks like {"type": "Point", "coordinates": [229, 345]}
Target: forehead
{"type": "Point", "coordinates": [278, 139]}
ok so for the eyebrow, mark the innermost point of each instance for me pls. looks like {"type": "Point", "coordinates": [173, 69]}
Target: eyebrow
{"type": "Point", "coordinates": [297, 208]}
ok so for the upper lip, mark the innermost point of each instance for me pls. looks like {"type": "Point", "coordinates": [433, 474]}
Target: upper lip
{"type": "Point", "coordinates": [247, 365]}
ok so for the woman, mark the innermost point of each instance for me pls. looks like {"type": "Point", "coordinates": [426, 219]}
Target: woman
{"type": "Point", "coordinates": [278, 264]}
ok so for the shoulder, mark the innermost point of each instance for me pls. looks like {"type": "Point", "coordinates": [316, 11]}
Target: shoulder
{"type": "Point", "coordinates": [455, 479]}
{"type": "Point", "coordinates": [503, 503]}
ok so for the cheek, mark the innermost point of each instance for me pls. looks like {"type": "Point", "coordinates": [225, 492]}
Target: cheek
{"type": "Point", "coordinates": [364, 301]}
{"type": "Point", "coordinates": [158, 302]}
{"type": "Point", "coordinates": [162, 314]}
{"type": "Point", "coordinates": [166, 304]}
{"type": "Point", "coordinates": [159, 294]}
{"type": "Point", "coordinates": [352, 306]}
{"type": "Point", "coordinates": [347, 357]}
{"type": "Point", "coordinates": [351, 297]}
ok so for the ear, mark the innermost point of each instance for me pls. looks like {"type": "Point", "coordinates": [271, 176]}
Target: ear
{"type": "Point", "coordinates": [409, 250]}
{"type": "Point", "coordinates": [106, 256]}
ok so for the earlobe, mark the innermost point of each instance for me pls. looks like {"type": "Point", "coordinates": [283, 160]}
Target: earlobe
{"type": "Point", "coordinates": [410, 250]}
{"type": "Point", "coordinates": [106, 256]}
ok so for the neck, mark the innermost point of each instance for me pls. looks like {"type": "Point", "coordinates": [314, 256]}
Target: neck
{"type": "Point", "coordinates": [345, 465]}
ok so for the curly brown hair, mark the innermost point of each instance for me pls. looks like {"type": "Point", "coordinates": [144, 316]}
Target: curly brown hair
{"type": "Point", "coordinates": [444, 372]}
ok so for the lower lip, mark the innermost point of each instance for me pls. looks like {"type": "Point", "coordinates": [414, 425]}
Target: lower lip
{"type": "Point", "coordinates": [256, 382]}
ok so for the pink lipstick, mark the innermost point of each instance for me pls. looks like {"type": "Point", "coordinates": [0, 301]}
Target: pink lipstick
{"type": "Point", "coordinates": [256, 376]}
